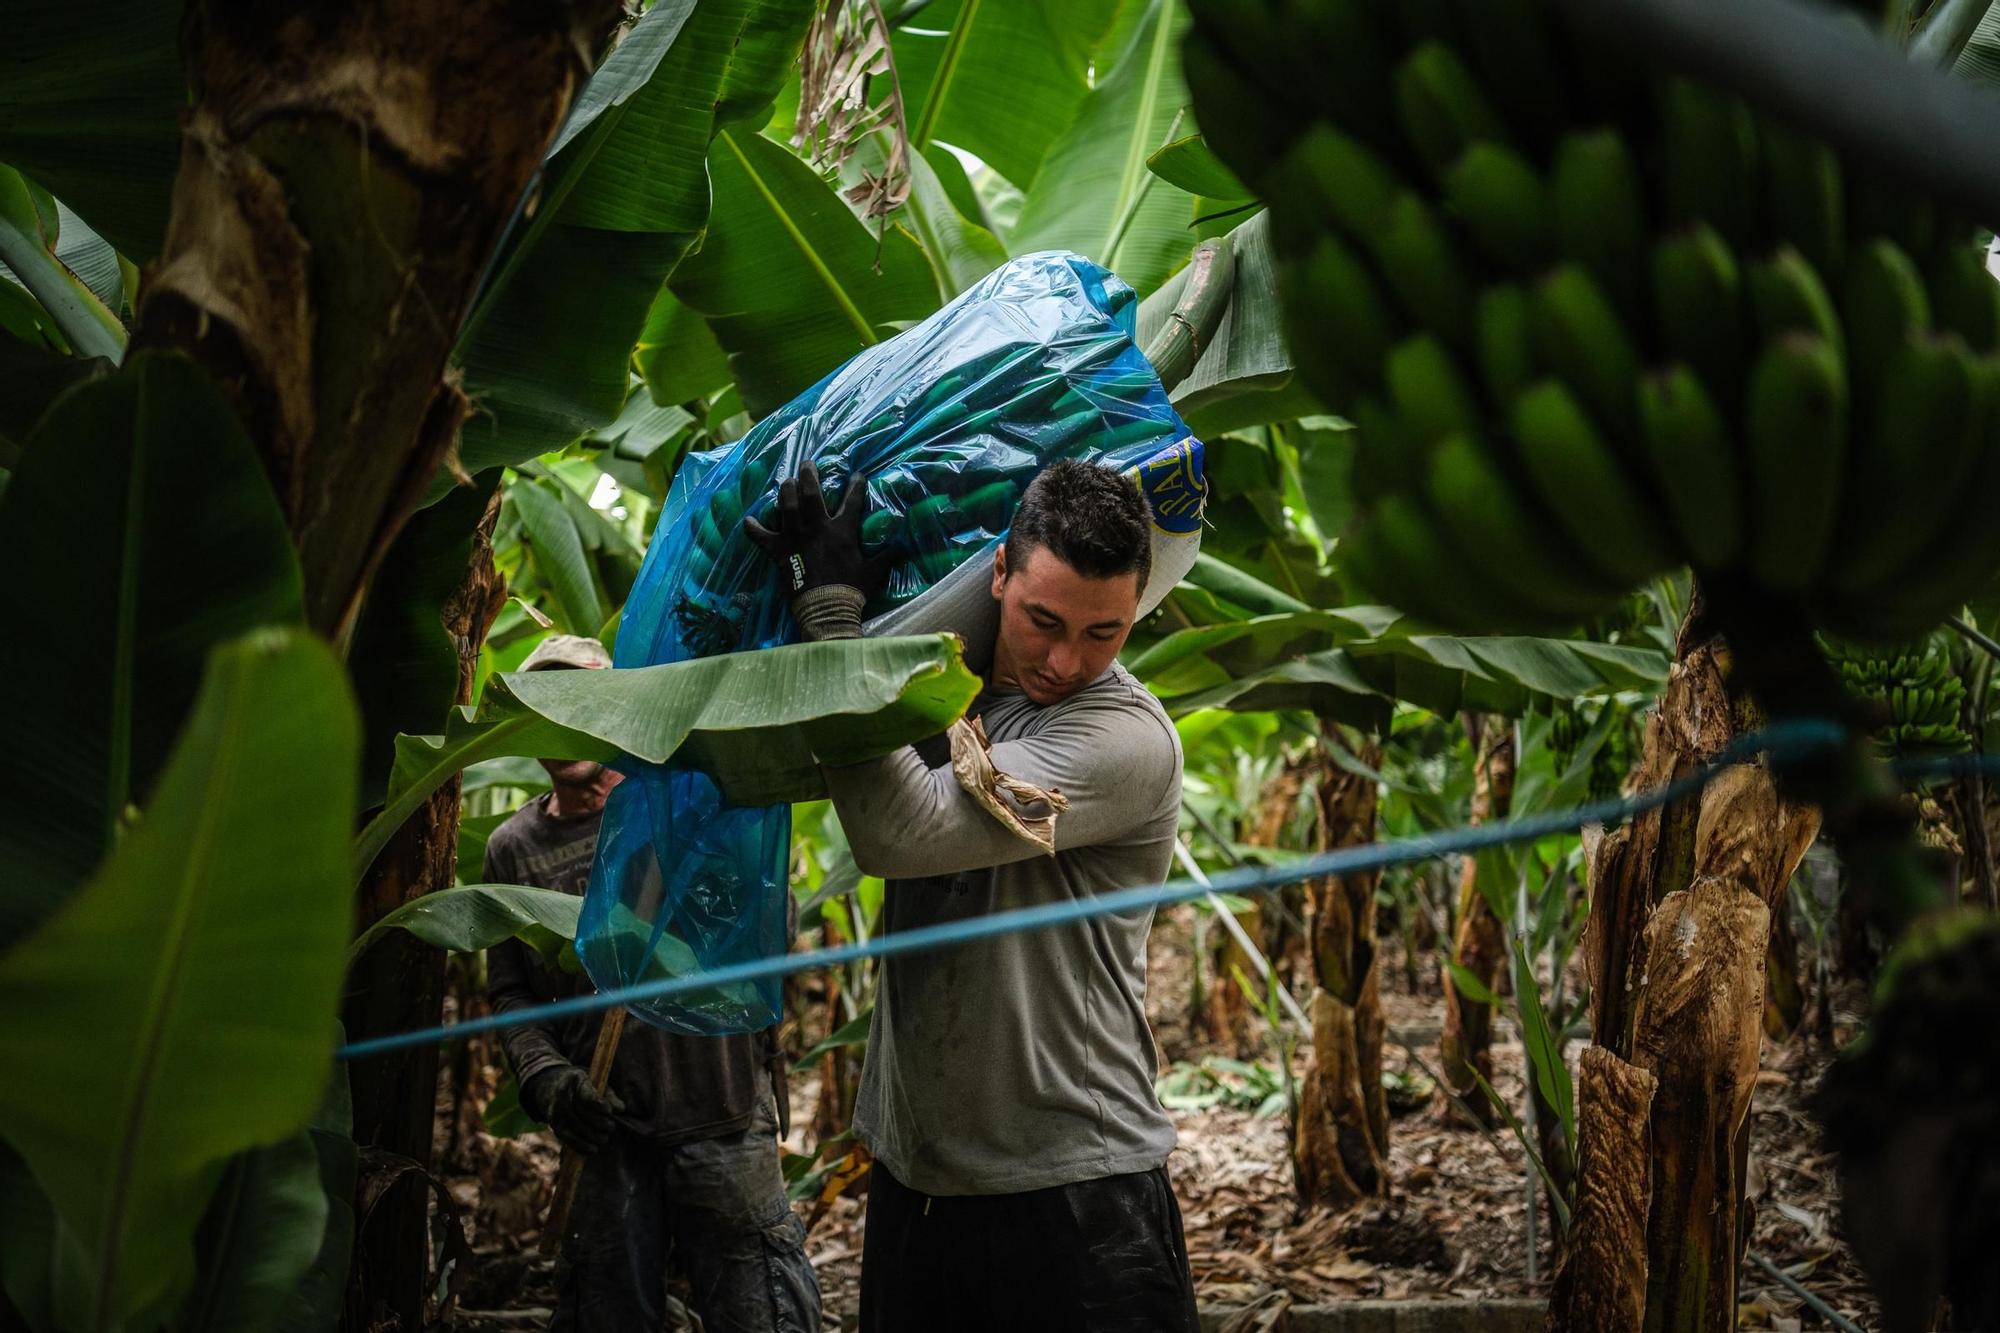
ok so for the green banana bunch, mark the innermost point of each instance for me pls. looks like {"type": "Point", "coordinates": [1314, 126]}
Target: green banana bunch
{"type": "Point", "coordinates": [1593, 323]}
{"type": "Point", "coordinates": [1917, 699]}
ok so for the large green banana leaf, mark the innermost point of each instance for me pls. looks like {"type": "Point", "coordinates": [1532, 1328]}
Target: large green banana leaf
{"type": "Point", "coordinates": [548, 346]}
{"type": "Point", "coordinates": [118, 586]}
{"type": "Point", "coordinates": [1327, 663]}
{"type": "Point", "coordinates": [1094, 194]}
{"type": "Point", "coordinates": [759, 722]}
{"type": "Point", "coordinates": [91, 109]}
{"type": "Point", "coordinates": [264, 1228]}
{"type": "Point", "coordinates": [1002, 79]}
{"type": "Point", "coordinates": [182, 1003]}
{"type": "Point", "coordinates": [1978, 56]}
{"type": "Point", "coordinates": [961, 251]}
{"type": "Point", "coordinates": [790, 282]}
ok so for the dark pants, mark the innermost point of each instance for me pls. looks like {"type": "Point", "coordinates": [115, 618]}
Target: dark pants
{"type": "Point", "coordinates": [720, 1205]}
{"type": "Point", "coordinates": [1099, 1256]}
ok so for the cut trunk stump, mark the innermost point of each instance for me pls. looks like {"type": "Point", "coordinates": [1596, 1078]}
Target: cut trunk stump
{"type": "Point", "coordinates": [1340, 1149]}
{"type": "Point", "coordinates": [1678, 934]}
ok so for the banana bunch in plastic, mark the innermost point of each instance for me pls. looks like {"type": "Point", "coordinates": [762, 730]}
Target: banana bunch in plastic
{"type": "Point", "coordinates": [1594, 324]}
{"type": "Point", "coordinates": [1912, 688]}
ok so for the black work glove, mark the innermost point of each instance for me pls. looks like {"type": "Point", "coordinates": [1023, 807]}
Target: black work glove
{"type": "Point", "coordinates": [562, 1098]}
{"type": "Point", "coordinates": [819, 555]}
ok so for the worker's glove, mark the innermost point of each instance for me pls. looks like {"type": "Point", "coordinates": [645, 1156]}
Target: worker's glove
{"type": "Point", "coordinates": [819, 556]}
{"type": "Point", "coordinates": [562, 1098]}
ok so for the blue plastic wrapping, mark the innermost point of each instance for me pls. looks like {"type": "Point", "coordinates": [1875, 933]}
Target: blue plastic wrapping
{"type": "Point", "coordinates": [947, 422]}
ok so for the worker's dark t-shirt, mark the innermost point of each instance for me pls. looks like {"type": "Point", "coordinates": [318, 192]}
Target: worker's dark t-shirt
{"type": "Point", "coordinates": [675, 1088]}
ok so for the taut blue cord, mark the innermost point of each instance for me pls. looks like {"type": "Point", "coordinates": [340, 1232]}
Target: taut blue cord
{"type": "Point", "coordinates": [1784, 742]}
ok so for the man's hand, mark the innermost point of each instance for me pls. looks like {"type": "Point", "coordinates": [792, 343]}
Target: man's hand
{"type": "Point", "coordinates": [562, 1098]}
{"type": "Point", "coordinates": [819, 556]}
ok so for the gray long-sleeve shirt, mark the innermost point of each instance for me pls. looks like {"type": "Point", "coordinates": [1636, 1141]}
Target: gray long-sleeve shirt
{"type": "Point", "coordinates": [1024, 1061]}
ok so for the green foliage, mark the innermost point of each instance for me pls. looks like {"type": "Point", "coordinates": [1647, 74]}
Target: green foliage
{"type": "Point", "coordinates": [1096, 196]}
{"type": "Point", "coordinates": [479, 916]}
{"type": "Point", "coordinates": [30, 245]}
{"type": "Point", "coordinates": [790, 282]}
{"type": "Point", "coordinates": [626, 195]}
{"type": "Point", "coordinates": [759, 722]}
{"type": "Point", "coordinates": [1214, 1080]}
{"type": "Point", "coordinates": [178, 546]}
{"type": "Point", "coordinates": [184, 998]}
{"type": "Point", "coordinates": [1000, 80]}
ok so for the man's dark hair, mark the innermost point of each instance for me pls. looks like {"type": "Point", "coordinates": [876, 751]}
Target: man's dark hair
{"type": "Point", "coordinates": [1091, 518]}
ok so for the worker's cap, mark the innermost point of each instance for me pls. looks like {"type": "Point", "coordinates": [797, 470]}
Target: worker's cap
{"type": "Point", "coordinates": [566, 650]}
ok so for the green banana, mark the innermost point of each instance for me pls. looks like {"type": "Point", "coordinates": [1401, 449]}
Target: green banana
{"type": "Point", "coordinates": [1330, 176]}
{"type": "Point", "coordinates": [1331, 303]}
{"type": "Point", "coordinates": [1504, 337]}
{"type": "Point", "coordinates": [1444, 111]}
{"type": "Point", "coordinates": [1600, 212]}
{"type": "Point", "coordinates": [1503, 205]}
{"type": "Point", "coordinates": [1884, 302]}
{"type": "Point", "coordinates": [1430, 395]}
{"type": "Point", "coordinates": [1915, 450]}
{"type": "Point", "coordinates": [1796, 438]}
{"type": "Point", "coordinates": [1462, 591]}
{"type": "Point", "coordinates": [1514, 539]}
{"type": "Point", "coordinates": [1708, 150]}
{"type": "Point", "coordinates": [1579, 335]}
{"type": "Point", "coordinates": [1696, 289]}
{"type": "Point", "coordinates": [1804, 200]}
{"type": "Point", "coordinates": [1421, 267]}
{"type": "Point", "coordinates": [1965, 297]}
{"type": "Point", "coordinates": [1587, 488]}
{"type": "Point", "coordinates": [1386, 460]}
{"type": "Point", "coordinates": [1693, 464]}
{"type": "Point", "coordinates": [1787, 296]}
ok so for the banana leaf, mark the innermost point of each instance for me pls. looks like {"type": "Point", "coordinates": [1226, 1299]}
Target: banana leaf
{"type": "Point", "coordinates": [758, 722]}
{"type": "Point", "coordinates": [1094, 194]}
{"type": "Point", "coordinates": [1945, 31]}
{"type": "Point", "coordinates": [1979, 58]}
{"type": "Point", "coordinates": [626, 194]}
{"type": "Point", "coordinates": [91, 109]}
{"type": "Point", "coordinates": [32, 249]}
{"type": "Point", "coordinates": [262, 1232]}
{"type": "Point", "coordinates": [559, 554]}
{"type": "Point", "coordinates": [184, 1000]}
{"type": "Point", "coordinates": [1189, 164]}
{"type": "Point", "coordinates": [1356, 681]}
{"type": "Point", "coordinates": [961, 251]}
{"type": "Point", "coordinates": [479, 916]}
{"type": "Point", "coordinates": [1001, 79]}
{"type": "Point", "coordinates": [789, 281]}
{"type": "Point", "coordinates": [118, 591]}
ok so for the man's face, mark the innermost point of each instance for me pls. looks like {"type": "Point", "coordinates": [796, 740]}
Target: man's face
{"type": "Point", "coordinates": [1059, 630]}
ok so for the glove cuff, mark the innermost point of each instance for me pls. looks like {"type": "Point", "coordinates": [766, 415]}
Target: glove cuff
{"type": "Point", "coordinates": [832, 611]}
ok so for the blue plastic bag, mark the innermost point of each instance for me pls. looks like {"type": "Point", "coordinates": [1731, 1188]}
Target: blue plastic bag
{"type": "Point", "coordinates": [948, 422]}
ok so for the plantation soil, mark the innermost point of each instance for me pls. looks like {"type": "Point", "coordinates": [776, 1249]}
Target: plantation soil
{"type": "Point", "coordinates": [1454, 1227]}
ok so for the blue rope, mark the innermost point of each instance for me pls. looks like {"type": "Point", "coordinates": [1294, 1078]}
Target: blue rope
{"type": "Point", "coordinates": [1785, 743]}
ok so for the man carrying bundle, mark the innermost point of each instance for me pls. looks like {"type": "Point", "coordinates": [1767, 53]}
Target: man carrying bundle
{"type": "Point", "coordinates": [1007, 1095]}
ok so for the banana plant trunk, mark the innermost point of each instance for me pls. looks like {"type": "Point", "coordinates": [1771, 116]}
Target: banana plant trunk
{"type": "Point", "coordinates": [1340, 1148]}
{"type": "Point", "coordinates": [347, 174]}
{"type": "Point", "coordinates": [399, 984]}
{"type": "Point", "coordinates": [1228, 1019]}
{"type": "Point", "coordinates": [1478, 945]}
{"type": "Point", "coordinates": [1679, 929]}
